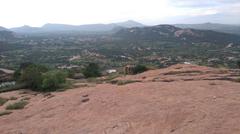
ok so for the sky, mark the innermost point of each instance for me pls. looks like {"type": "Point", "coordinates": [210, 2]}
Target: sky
{"type": "Point", "coordinates": [36, 13]}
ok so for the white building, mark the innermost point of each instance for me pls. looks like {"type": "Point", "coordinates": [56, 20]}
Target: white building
{"type": "Point", "coordinates": [110, 71]}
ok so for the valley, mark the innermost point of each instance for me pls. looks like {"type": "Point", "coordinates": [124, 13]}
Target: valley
{"type": "Point", "coordinates": [158, 46]}
{"type": "Point", "coordinates": [120, 67]}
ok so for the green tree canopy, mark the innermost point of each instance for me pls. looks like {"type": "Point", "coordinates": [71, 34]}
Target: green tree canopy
{"type": "Point", "coordinates": [92, 70]}
{"type": "Point", "coordinates": [139, 69]}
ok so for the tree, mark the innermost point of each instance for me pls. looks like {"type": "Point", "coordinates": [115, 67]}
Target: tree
{"type": "Point", "coordinates": [25, 66]}
{"type": "Point", "coordinates": [31, 77]}
{"type": "Point", "coordinates": [139, 69]}
{"type": "Point", "coordinates": [17, 74]}
{"type": "Point", "coordinates": [53, 80]}
{"type": "Point", "coordinates": [38, 78]}
{"type": "Point", "coordinates": [238, 64]}
{"type": "Point", "coordinates": [92, 70]}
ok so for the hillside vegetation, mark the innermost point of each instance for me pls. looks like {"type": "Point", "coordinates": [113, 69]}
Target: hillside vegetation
{"type": "Point", "coordinates": [159, 46]}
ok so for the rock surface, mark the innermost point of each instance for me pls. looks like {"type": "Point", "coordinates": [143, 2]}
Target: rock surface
{"type": "Point", "coordinates": [182, 99]}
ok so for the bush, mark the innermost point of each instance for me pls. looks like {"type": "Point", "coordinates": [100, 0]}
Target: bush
{"type": "Point", "coordinates": [5, 113]}
{"type": "Point", "coordinates": [13, 98]}
{"type": "Point", "coordinates": [71, 73]}
{"type": "Point", "coordinates": [17, 105]}
{"type": "Point", "coordinates": [17, 74]}
{"type": "Point", "coordinates": [238, 80]}
{"type": "Point", "coordinates": [92, 70]}
{"type": "Point", "coordinates": [3, 101]}
{"type": "Point", "coordinates": [38, 78]}
{"type": "Point", "coordinates": [26, 66]}
{"type": "Point", "coordinates": [32, 77]}
{"type": "Point", "coordinates": [139, 69]}
{"type": "Point", "coordinates": [123, 82]}
{"type": "Point", "coordinates": [53, 80]}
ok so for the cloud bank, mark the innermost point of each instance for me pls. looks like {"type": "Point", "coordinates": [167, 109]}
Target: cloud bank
{"type": "Point", "coordinates": [38, 12]}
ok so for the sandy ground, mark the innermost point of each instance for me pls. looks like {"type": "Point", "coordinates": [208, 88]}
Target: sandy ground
{"type": "Point", "coordinates": [182, 99]}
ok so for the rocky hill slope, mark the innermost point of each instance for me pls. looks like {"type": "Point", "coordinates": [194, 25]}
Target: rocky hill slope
{"type": "Point", "coordinates": [172, 33]}
{"type": "Point", "coordinates": [181, 99]}
{"type": "Point", "coordinates": [233, 29]}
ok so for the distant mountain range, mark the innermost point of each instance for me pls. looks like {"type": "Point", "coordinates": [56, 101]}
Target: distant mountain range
{"type": "Point", "coordinates": [131, 30]}
{"type": "Point", "coordinates": [172, 33]}
{"type": "Point", "coordinates": [233, 29]}
{"type": "Point", "coordinates": [3, 29]}
{"type": "Point", "coordinates": [80, 28]}
{"type": "Point", "coordinates": [225, 28]}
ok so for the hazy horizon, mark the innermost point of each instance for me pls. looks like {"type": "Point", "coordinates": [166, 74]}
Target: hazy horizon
{"type": "Point", "coordinates": [148, 12]}
{"type": "Point", "coordinates": [124, 21]}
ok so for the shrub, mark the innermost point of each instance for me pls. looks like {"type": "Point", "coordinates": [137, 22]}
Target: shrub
{"type": "Point", "coordinates": [139, 69]}
{"type": "Point", "coordinates": [5, 113]}
{"type": "Point", "coordinates": [3, 101]}
{"type": "Point", "coordinates": [38, 78]}
{"type": "Point", "coordinates": [238, 80]}
{"type": "Point", "coordinates": [32, 77]}
{"type": "Point", "coordinates": [92, 70]}
{"type": "Point", "coordinates": [123, 82]}
{"type": "Point", "coordinates": [95, 80]}
{"type": "Point", "coordinates": [53, 80]}
{"type": "Point", "coordinates": [22, 67]}
{"type": "Point", "coordinates": [71, 73]}
{"type": "Point", "coordinates": [26, 98]}
{"type": "Point", "coordinates": [17, 74]}
{"type": "Point", "coordinates": [13, 98]}
{"type": "Point", "coordinates": [111, 77]}
{"type": "Point", "coordinates": [26, 66]}
{"type": "Point", "coordinates": [18, 105]}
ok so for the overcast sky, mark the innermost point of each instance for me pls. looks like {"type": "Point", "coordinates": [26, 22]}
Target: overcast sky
{"type": "Point", "coordinates": [38, 12]}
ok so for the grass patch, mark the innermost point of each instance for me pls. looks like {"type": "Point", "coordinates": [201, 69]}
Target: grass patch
{"type": "Point", "coordinates": [18, 105]}
{"type": "Point", "coordinates": [238, 80]}
{"type": "Point", "coordinates": [95, 80]}
{"type": "Point", "coordinates": [3, 101]}
{"type": "Point", "coordinates": [26, 98]}
{"type": "Point", "coordinates": [13, 98]}
{"type": "Point", "coordinates": [65, 86]}
{"type": "Point", "coordinates": [183, 72]}
{"type": "Point", "coordinates": [111, 77]}
{"type": "Point", "coordinates": [123, 82]}
{"type": "Point", "coordinates": [5, 113]}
